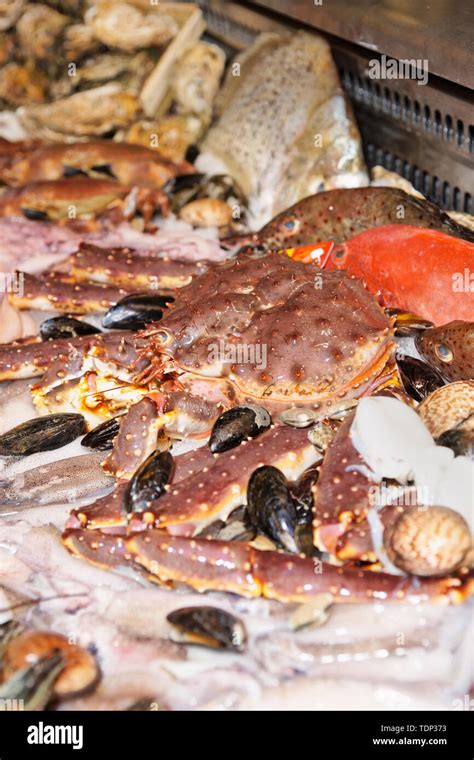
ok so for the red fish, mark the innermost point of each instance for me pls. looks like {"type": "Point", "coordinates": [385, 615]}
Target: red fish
{"type": "Point", "coordinates": [419, 270]}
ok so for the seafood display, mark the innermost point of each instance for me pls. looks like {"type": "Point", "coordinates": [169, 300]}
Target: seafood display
{"type": "Point", "coordinates": [236, 383]}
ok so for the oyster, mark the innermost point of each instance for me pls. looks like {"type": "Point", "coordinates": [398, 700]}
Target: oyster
{"type": "Point", "coordinates": [39, 30]}
{"type": "Point", "coordinates": [127, 70]}
{"type": "Point", "coordinates": [10, 12]}
{"type": "Point", "coordinates": [196, 79]}
{"type": "Point", "coordinates": [22, 84]}
{"type": "Point", "coordinates": [93, 112]}
{"type": "Point", "coordinates": [126, 27]}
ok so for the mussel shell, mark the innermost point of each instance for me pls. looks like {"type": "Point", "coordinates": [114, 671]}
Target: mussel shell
{"type": "Point", "coordinates": [42, 434]}
{"type": "Point", "coordinates": [460, 441]}
{"type": "Point", "coordinates": [236, 425]}
{"type": "Point", "coordinates": [271, 508]}
{"type": "Point", "coordinates": [302, 490]}
{"type": "Point", "coordinates": [101, 438]}
{"type": "Point", "coordinates": [237, 527]}
{"type": "Point", "coordinates": [208, 626]}
{"type": "Point", "coordinates": [65, 327]}
{"type": "Point", "coordinates": [149, 481]}
{"type": "Point", "coordinates": [135, 311]}
{"type": "Point", "coordinates": [35, 214]}
{"type": "Point", "coordinates": [182, 189]}
{"type": "Point", "coordinates": [418, 378]}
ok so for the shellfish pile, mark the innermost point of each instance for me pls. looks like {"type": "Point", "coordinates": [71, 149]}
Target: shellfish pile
{"type": "Point", "coordinates": [228, 455]}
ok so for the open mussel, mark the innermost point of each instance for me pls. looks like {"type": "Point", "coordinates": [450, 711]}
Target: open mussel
{"type": "Point", "coordinates": [209, 627]}
{"type": "Point", "coordinates": [236, 425]}
{"type": "Point", "coordinates": [102, 437]}
{"type": "Point", "coordinates": [65, 327]}
{"type": "Point", "coordinates": [418, 378]}
{"type": "Point", "coordinates": [149, 481]}
{"type": "Point", "coordinates": [135, 311]}
{"type": "Point", "coordinates": [32, 686]}
{"type": "Point", "coordinates": [182, 189]}
{"type": "Point", "coordinates": [42, 434]}
{"type": "Point", "coordinates": [271, 507]}
{"type": "Point", "coordinates": [302, 493]}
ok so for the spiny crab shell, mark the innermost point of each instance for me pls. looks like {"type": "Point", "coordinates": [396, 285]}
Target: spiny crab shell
{"type": "Point", "coordinates": [270, 328]}
{"type": "Point", "coordinates": [262, 329]}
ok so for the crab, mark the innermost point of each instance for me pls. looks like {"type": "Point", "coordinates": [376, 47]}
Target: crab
{"type": "Point", "coordinates": [250, 330]}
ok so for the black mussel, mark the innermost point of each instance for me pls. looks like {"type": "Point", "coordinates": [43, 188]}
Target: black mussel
{"type": "Point", "coordinates": [460, 440]}
{"type": "Point", "coordinates": [105, 170]}
{"type": "Point", "coordinates": [182, 189]}
{"type": "Point", "coordinates": [35, 214]}
{"type": "Point", "coordinates": [149, 481]}
{"type": "Point", "coordinates": [65, 327]}
{"type": "Point", "coordinates": [271, 507]}
{"type": "Point", "coordinates": [102, 437]}
{"type": "Point", "coordinates": [209, 627]}
{"type": "Point", "coordinates": [135, 311]}
{"type": "Point", "coordinates": [42, 434]}
{"type": "Point", "coordinates": [237, 527]}
{"type": "Point", "coordinates": [302, 490]}
{"type": "Point", "coordinates": [192, 153]}
{"type": "Point", "coordinates": [73, 171]}
{"type": "Point", "coordinates": [418, 378]}
{"type": "Point", "coordinates": [236, 425]}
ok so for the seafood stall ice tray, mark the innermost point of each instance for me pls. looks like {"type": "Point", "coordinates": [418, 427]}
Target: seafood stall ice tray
{"type": "Point", "coordinates": [425, 133]}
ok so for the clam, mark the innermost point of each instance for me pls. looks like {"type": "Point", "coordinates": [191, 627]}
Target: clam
{"type": "Point", "coordinates": [298, 418]}
{"type": "Point", "coordinates": [418, 378]}
{"type": "Point", "coordinates": [135, 311]}
{"type": "Point", "coordinates": [428, 541]}
{"type": "Point", "coordinates": [149, 481]}
{"type": "Point", "coordinates": [42, 434]}
{"type": "Point", "coordinates": [79, 670]}
{"type": "Point", "coordinates": [65, 327]}
{"type": "Point", "coordinates": [321, 435]}
{"type": "Point", "coordinates": [271, 508]}
{"type": "Point", "coordinates": [208, 626]}
{"type": "Point", "coordinates": [101, 438]}
{"type": "Point", "coordinates": [236, 425]}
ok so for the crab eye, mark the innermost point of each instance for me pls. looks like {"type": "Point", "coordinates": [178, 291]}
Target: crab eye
{"type": "Point", "coordinates": [444, 353]}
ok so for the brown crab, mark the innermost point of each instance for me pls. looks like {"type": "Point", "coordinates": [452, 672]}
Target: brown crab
{"type": "Point", "coordinates": [250, 330]}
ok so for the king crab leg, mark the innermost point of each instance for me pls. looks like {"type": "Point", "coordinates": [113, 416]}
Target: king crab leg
{"type": "Point", "coordinates": [209, 565]}
{"type": "Point", "coordinates": [53, 292]}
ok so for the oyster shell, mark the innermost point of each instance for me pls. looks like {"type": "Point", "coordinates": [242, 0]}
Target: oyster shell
{"type": "Point", "coordinates": [126, 27]}
{"type": "Point", "coordinates": [39, 30]}
{"type": "Point", "coordinates": [93, 112]}
{"type": "Point", "coordinates": [196, 80]}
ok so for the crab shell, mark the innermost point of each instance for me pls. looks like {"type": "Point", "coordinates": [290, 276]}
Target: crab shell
{"type": "Point", "coordinates": [276, 330]}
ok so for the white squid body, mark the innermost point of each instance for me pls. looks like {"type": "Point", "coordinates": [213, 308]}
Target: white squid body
{"type": "Point", "coordinates": [394, 442]}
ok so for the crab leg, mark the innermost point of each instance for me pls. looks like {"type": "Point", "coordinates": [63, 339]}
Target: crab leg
{"type": "Point", "coordinates": [341, 499]}
{"type": "Point", "coordinates": [23, 360]}
{"type": "Point", "coordinates": [221, 485]}
{"type": "Point", "coordinates": [208, 565]}
{"type": "Point", "coordinates": [52, 291]}
{"type": "Point", "coordinates": [126, 269]}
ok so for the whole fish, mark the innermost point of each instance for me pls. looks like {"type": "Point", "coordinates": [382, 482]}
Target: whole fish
{"type": "Point", "coordinates": [449, 348]}
{"type": "Point", "coordinates": [285, 128]}
{"type": "Point", "coordinates": [422, 271]}
{"type": "Point", "coordinates": [339, 215]}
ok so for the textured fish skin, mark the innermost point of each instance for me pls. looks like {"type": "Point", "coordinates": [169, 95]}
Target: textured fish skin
{"type": "Point", "coordinates": [285, 128]}
{"type": "Point", "coordinates": [57, 482]}
{"type": "Point", "coordinates": [339, 215]}
{"type": "Point", "coordinates": [455, 341]}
